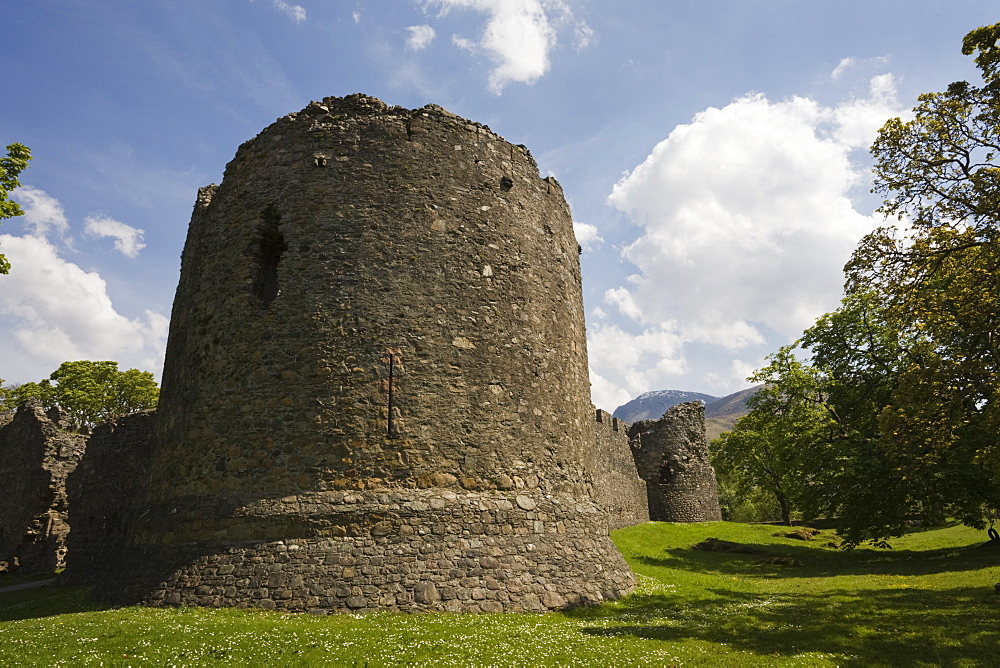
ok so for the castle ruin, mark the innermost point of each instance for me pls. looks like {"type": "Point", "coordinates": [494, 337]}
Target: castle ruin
{"type": "Point", "coordinates": [105, 494]}
{"type": "Point", "coordinates": [36, 456]}
{"type": "Point", "coordinates": [375, 395]}
{"type": "Point", "coordinates": [671, 455]}
{"type": "Point", "coordinates": [621, 491]}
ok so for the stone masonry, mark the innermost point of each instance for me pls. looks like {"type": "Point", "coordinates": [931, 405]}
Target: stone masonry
{"type": "Point", "coordinates": [375, 394]}
{"type": "Point", "coordinates": [36, 456]}
{"type": "Point", "coordinates": [671, 455]}
{"type": "Point", "coordinates": [104, 493]}
{"type": "Point", "coordinates": [622, 492]}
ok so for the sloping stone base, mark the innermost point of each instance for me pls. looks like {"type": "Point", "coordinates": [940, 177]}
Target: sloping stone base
{"type": "Point", "coordinates": [408, 550]}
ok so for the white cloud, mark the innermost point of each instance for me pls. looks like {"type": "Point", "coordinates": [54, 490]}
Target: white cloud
{"type": "Point", "coordinates": [420, 37]}
{"type": "Point", "coordinates": [857, 121]}
{"type": "Point", "coordinates": [733, 335]}
{"type": "Point", "coordinates": [584, 35]}
{"type": "Point", "coordinates": [587, 235]}
{"type": "Point", "coordinates": [624, 301]}
{"type": "Point", "coordinates": [742, 370]}
{"type": "Point", "coordinates": [735, 377]}
{"type": "Point", "coordinates": [605, 394]}
{"type": "Point", "coordinates": [850, 63]}
{"type": "Point", "coordinates": [747, 221]}
{"type": "Point", "coordinates": [42, 212]}
{"type": "Point", "coordinates": [128, 240]}
{"type": "Point", "coordinates": [628, 365]}
{"type": "Point", "coordinates": [844, 65]}
{"type": "Point", "coordinates": [518, 35]}
{"type": "Point", "coordinates": [294, 12]}
{"type": "Point", "coordinates": [356, 16]}
{"type": "Point", "coordinates": [54, 311]}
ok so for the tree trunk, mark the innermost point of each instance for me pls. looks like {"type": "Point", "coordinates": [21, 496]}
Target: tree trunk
{"type": "Point", "coordinates": [786, 513]}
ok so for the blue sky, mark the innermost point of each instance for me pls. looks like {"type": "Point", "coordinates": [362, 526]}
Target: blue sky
{"type": "Point", "coordinates": [714, 153]}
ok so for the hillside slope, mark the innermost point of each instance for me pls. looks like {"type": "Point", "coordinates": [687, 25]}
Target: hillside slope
{"type": "Point", "coordinates": [721, 415]}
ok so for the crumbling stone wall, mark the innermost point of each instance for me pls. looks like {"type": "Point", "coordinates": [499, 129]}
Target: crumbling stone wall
{"type": "Point", "coordinates": [620, 490]}
{"type": "Point", "coordinates": [671, 455]}
{"type": "Point", "coordinates": [376, 380]}
{"type": "Point", "coordinates": [105, 493]}
{"type": "Point", "coordinates": [36, 455]}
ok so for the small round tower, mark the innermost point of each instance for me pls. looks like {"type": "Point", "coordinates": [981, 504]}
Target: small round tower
{"type": "Point", "coordinates": [671, 455]}
{"type": "Point", "coordinates": [375, 394]}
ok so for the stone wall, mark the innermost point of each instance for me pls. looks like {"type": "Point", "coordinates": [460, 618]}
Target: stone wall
{"type": "Point", "coordinates": [105, 493]}
{"type": "Point", "coordinates": [377, 349]}
{"type": "Point", "coordinates": [413, 550]}
{"type": "Point", "coordinates": [620, 490]}
{"type": "Point", "coordinates": [671, 455]}
{"type": "Point", "coordinates": [36, 455]}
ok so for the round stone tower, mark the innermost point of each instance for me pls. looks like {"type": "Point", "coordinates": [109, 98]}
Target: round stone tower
{"type": "Point", "coordinates": [671, 455]}
{"type": "Point", "coordinates": [375, 394]}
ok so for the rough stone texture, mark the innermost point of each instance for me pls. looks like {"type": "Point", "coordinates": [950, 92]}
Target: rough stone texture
{"type": "Point", "coordinates": [620, 490]}
{"type": "Point", "coordinates": [36, 455]}
{"type": "Point", "coordinates": [376, 378]}
{"type": "Point", "coordinates": [418, 549]}
{"type": "Point", "coordinates": [104, 493]}
{"type": "Point", "coordinates": [671, 455]}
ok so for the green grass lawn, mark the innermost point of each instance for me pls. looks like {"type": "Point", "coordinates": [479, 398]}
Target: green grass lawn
{"type": "Point", "coordinates": [929, 601]}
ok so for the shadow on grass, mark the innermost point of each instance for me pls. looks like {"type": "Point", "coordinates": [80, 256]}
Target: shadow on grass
{"type": "Point", "coordinates": [870, 627]}
{"type": "Point", "coordinates": [832, 524]}
{"type": "Point", "coordinates": [46, 602]}
{"type": "Point", "coordinates": [811, 562]}
{"type": "Point", "coordinates": [14, 579]}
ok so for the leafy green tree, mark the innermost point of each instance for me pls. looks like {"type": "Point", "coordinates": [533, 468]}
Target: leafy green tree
{"type": "Point", "coordinates": [11, 167]}
{"type": "Point", "coordinates": [812, 436]}
{"type": "Point", "coordinates": [741, 502]}
{"type": "Point", "coordinates": [41, 391]}
{"type": "Point", "coordinates": [907, 369]}
{"type": "Point", "coordinates": [90, 392]}
{"type": "Point", "coordinates": [938, 280]}
{"type": "Point", "coordinates": [901, 419]}
{"type": "Point", "coordinates": [985, 43]}
{"type": "Point", "coordinates": [853, 476]}
{"type": "Point", "coordinates": [765, 450]}
{"type": "Point", "coordinates": [6, 396]}
{"type": "Point", "coordinates": [819, 435]}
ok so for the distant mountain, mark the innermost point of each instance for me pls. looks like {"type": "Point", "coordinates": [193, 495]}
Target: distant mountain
{"type": "Point", "coordinates": [652, 405]}
{"type": "Point", "coordinates": [721, 415]}
{"type": "Point", "coordinates": [733, 404]}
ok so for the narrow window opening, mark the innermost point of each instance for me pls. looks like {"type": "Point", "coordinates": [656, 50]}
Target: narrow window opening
{"type": "Point", "coordinates": [394, 363]}
{"type": "Point", "coordinates": [667, 474]}
{"type": "Point", "coordinates": [390, 427]}
{"type": "Point", "coordinates": [272, 246]}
